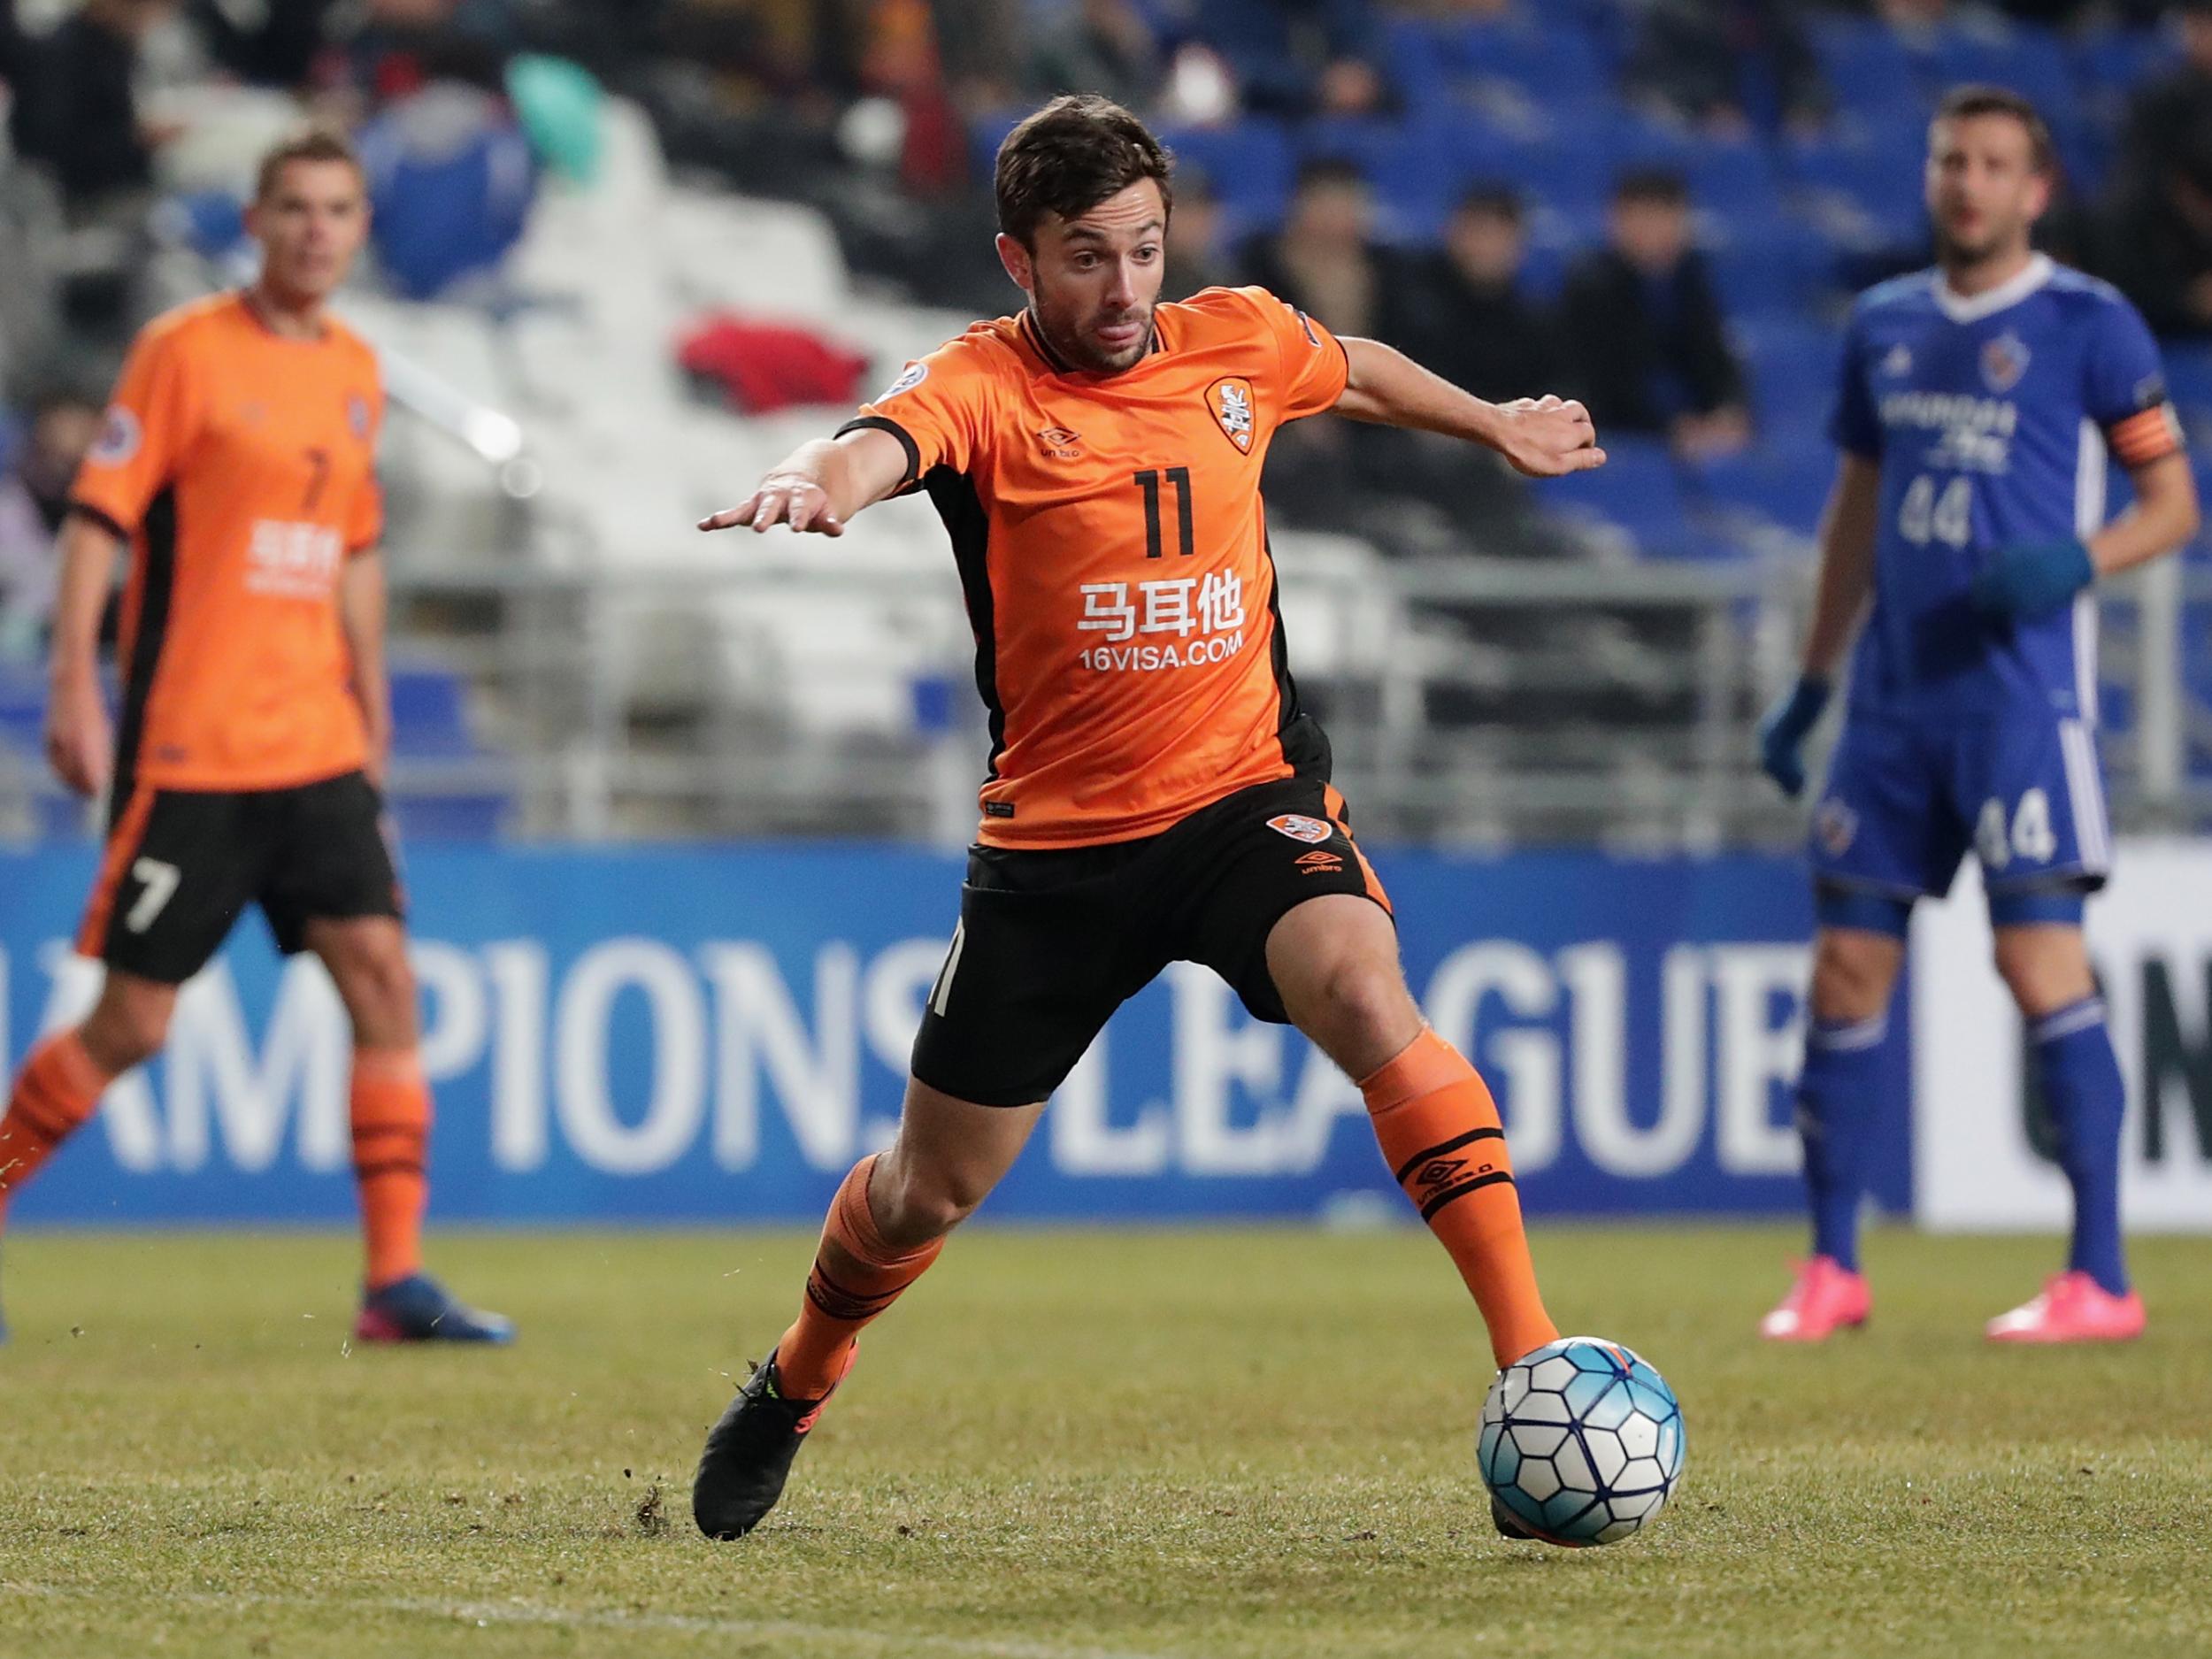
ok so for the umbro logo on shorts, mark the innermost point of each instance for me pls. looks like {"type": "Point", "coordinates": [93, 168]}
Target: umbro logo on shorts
{"type": "Point", "coordinates": [1320, 862]}
{"type": "Point", "coordinates": [1299, 827]}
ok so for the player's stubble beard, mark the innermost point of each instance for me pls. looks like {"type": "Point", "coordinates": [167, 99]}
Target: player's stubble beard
{"type": "Point", "coordinates": [1075, 350]}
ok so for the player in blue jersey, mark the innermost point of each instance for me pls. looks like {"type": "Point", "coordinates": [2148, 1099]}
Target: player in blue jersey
{"type": "Point", "coordinates": [1963, 543]}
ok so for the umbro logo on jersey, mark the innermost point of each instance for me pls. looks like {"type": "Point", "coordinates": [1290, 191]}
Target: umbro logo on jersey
{"type": "Point", "coordinates": [1231, 400]}
{"type": "Point", "coordinates": [1299, 827]}
{"type": "Point", "coordinates": [1898, 364]}
{"type": "Point", "coordinates": [1320, 862]}
{"type": "Point", "coordinates": [2004, 360]}
{"type": "Point", "coordinates": [1060, 443]}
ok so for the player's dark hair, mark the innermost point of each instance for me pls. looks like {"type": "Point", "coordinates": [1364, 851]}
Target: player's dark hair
{"type": "Point", "coordinates": [314, 144]}
{"type": "Point", "coordinates": [1660, 186]}
{"type": "Point", "coordinates": [1493, 200]}
{"type": "Point", "coordinates": [1070, 155]}
{"type": "Point", "coordinates": [1962, 103]}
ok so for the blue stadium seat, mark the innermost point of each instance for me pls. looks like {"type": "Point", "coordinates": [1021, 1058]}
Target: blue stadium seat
{"type": "Point", "coordinates": [1792, 365]}
{"type": "Point", "coordinates": [1639, 490]}
{"type": "Point", "coordinates": [1866, 66]}
{"type": "Point", "coordinates": [2029, 60]}
{"type": "Point", "coordinates": [1250, 164]}
{"type": "Point", "coordinates": [1570, 175]}
{"type": "Point", "coordinates": [2110, 64]}
{"type": "Point", "coordinates": [1515, 60]}
{"type": "Point", "coordinates": [1863, 192]}
{"type": "Point", "coordinates": [430, 723]}
{"type": "Point", "coordinates": [1415, 169]}
{"type": "Point", "coordinates": [1771, 271]}
{"type": "Point", "coordinates": [1729, 179]}
{"type": "Point", "coordinates": [1784, 485]}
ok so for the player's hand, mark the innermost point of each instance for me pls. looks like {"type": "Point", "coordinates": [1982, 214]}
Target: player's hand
{"type": "Point", "coordinates": [800, 502]}
{"type": "Point", "coordinates": [79, 744]}
{"type": "Point", "coordinates": [2034, 579]}
{"type": "Point", "coordinates": [1548, 437]}
{"type": "Point", "coordinates": [1783, 732]}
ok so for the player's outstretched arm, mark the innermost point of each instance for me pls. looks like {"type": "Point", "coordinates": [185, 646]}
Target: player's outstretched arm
{"type": "Point", "coordinates": [821, 485]}
{"type": "Point", "coordinates": [79, 743]}
{"type": "Point", "coordinates": [1848, 531]}
{"type": "Point", "coordinates": [1543, 437]}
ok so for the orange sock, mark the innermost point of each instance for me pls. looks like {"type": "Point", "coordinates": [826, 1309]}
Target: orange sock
{"type": "Point", "coordinates": [391, 1140]}
{"type": "Point", "coordinates": [855, 1277]}
{"type": "Point", "coordinates": [1439, 1132]}
{"type": "Point", "coordinates": [54, 1094]}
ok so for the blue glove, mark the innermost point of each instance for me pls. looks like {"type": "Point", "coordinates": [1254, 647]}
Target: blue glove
{"type": "Point", "coordinates": [2032, 579]}
{"type": "Point", "coordinates": [1782, 734]}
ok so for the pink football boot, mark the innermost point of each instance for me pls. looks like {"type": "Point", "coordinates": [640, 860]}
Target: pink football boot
{"type": "Point", "coordinates": [1825, 1297]}
{"type": "Point", "coordinates": [2073, 1308]}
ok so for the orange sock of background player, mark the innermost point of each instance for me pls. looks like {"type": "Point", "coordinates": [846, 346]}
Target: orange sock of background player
{"type": "Point", "coordinates": [54, 1094]}
{"type": "Point", "coordinates": [855, 1277]}
{"type": "Point", "coordinates": [1440, 1133]}
{"type": "Point", "coordinates": [391, 1144]}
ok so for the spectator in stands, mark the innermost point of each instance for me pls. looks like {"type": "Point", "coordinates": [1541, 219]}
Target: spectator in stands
{"type": "Point", "coordinates": [1325, 259]}
{"type": "Point", "coordinates": [34, 500]}
{"type": "Point", "coordinates": [1198, 254]}
{"type": "Point", "coordinates": [1644, 323]}
{"type": "Point", "coordinates": [1299, 58]}
{"type": "Point", "coordinates": [2163, 114]}
{"type": "Point", "coordinates": [77, 111]}
{"type": "Point", "coordinates": [1101, 46]}
{"type": "Point", "coordinates": [1728, 66]}
{"type": "Point", "coordinates": [1466, 316]}
{"type": "Point", "coordinates": [280, 48]}
{"type": "Point", "coordinates": [2155, 241]}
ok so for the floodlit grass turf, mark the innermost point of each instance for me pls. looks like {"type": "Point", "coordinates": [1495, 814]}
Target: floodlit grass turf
{"type": "Point", "coordinates": [1190, 1444]}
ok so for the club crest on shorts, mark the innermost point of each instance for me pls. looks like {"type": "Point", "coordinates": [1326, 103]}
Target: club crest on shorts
{"type": "Point", "coordinates": [1231, 400]}
{"type": "Point", "coordinates": [1299, 827]}
{"type": "Point", "coordinates": [2004, 360]}
{"type": "Point", "coordinates": [1836, 826]}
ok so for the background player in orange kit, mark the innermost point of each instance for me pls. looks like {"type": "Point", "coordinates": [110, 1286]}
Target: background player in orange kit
{"type": "Point", "coordinates": [238, 461]}
{"type": "Point", "coordinates": [1155, 791]}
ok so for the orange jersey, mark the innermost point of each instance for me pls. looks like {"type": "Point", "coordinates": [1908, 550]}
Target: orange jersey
{"type": "Point", "coordinates": [241, 467]}
{"type": "Point", "coordinates": [1113, 550]}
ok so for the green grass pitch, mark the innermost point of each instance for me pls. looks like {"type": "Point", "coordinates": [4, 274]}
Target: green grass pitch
{"type": "Point", "coordinates": [1190, 1445]}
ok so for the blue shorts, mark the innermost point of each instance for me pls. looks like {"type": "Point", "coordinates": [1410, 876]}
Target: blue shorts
{"type": "Point", "coordinates": [1905, 802]}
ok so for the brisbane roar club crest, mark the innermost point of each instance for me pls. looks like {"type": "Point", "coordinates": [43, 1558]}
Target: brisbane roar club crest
{"type": "Point", "coordinates": [1299, 827]}
{"type": "Point", "coordinates": [1231, 400]}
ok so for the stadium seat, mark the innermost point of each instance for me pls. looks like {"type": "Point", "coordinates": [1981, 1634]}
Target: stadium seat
{"type": "Point", "coordinates": [1729, 179]}
{"type": "Point", "coordinates": [1863, 191]}
{"type": "Point", "coordinates": [1791, 365]}
{"type": "Point", "coordinates": [1784, 485]}
{"type": "Point", "coordinates": [1250, 164]}
{"type": "Point", "coordinates": [1866, 65]}
{"type": "Point", "coordinates": [2028, 60]}
{"type": "Point", "coordinates": [1637, 492]}
{"type": "Point", "coordinates": [1514, 61]}
{"type": "Point", "coordinates": [1569, 175]}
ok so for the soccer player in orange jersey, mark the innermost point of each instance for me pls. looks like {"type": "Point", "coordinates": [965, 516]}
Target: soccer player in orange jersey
{"type": "Point", "coordinates": [1155, 792]}
{"type": "Point", "coordinates": [237, 462]}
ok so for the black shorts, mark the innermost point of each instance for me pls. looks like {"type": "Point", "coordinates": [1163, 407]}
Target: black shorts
{"type": "Point", "coordinates": [182, 864]}
{"type": "Point", "coordinates": [1051, 943]}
